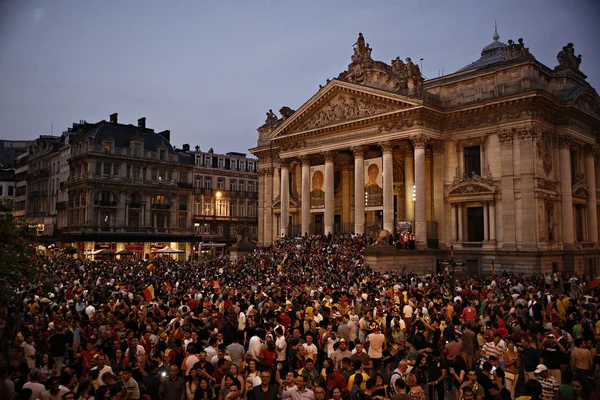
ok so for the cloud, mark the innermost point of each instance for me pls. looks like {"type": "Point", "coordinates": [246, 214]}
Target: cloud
{"type": "Point", "coordinates": [38, 14]}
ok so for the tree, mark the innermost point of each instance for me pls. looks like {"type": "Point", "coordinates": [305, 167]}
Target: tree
{"type": "Point", "coordinates": [16, 262]}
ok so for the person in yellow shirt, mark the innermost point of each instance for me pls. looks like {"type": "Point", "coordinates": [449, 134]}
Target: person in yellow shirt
{"type": "Point", "coordinates": [358, 370]}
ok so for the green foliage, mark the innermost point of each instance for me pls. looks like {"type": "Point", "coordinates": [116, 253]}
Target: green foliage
{"type": "Point", "coordinates": [16, 263]}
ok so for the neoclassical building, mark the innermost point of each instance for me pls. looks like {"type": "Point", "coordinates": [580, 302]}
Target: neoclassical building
{"type": "Point", "coordinates": [497, 159]}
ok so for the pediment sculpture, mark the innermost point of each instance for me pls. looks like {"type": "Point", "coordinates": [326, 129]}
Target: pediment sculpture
{"type": "Point", "coordinates": [344, 107]}
{"type": "Point", "coordinates": [399, 77]}
{"type": "Point", "coordinates": [472, 184]}
{"type": "Point", "coordinates": [580, 188]}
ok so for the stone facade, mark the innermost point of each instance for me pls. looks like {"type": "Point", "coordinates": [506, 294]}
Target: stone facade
{"type": "Point", "coordinates": [497, 160]}
{"type": "Point", "coordinates": [108, 185]}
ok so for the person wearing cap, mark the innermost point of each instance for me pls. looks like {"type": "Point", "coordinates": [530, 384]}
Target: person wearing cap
{"type": "Point", "coordinates": [549, 384]}
{"type": "Point", "coordinates": [341, 352]}
{"type": "Point", "coordinates": [376, 343]}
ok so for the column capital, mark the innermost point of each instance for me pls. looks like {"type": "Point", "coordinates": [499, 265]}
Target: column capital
{"type": "Point", "coordinates": [564, 141]}
{"type": "Point", "coordinates": [304, 159]}
{"type": "Point", "coordinates": [438, 146]}
{"type": "Point", "coordinates": [267, 171]}
{"type": "Point", "coordinates": [358, 151]}
{"type": "Point", "coordinates": [589, 150]}
{"type": "Point", "coordinates": [386, 147]}
{"type": "Point", "coordinates": [419, 141]}
{"type": "Point", "coordinates": [329, 155]}
{"type": "Point", "coordinates": [285, 163]}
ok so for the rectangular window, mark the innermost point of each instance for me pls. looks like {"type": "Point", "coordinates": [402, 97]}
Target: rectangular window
{"type": "Point", "coordinates": [232, 185]}
{"type": "Point", "coordinates": [183, 177]}
{"type": "Point", "coordinates": [162, 155]}
{"type": "Point", "coordinates": [116, 169]}
{"type": "Point", "coordinates": [242, 186]}
{"type": "Point", "coordinates": [198, 181]}
{"type": "Point", "coordinates": [198, 159]}
{"type": "Point", "coordinates": [137, 150]}
{"type": "Point", "coordinates": [221, 183]}
{"type": "Point", "coordinates": [207, 161]}
{"type": "Point", "coordinates": [242, 165]}
{"type": "Point", "coordinates": [153, 174]}
{"type": "Point", "coordinates": [128, 172]}
{"type": "Point", "coordinates": [107, 148]}
{"type": "Point", "coordinates": [98, 168]}
{"type": "Point", "coordinates": [250, 166]}
{"type": "Point", "coordinates": [182, 221]}
{"type": "Point", "coordinates": [106, 170]}
{"type": "Point", "coordinates": [136, 172]}
{"type": "Point", "coordinates": [221, 163]}
{"type": "Point", "coordinates": [234, 164]}
{"type": "Point", "coordinates": [220, 230]}
{"type": "Point", "coordinates": [183, 200]}
{"type": "Point", "coordinates": [208, 182]}
{"type": "Point", "coordinates": [472, 160]}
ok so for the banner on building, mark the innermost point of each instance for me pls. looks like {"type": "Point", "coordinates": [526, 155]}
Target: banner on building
{"type": "Point", "coordinates": [317, 188]}
{"type": "Point", "coordinates": [373, 184]}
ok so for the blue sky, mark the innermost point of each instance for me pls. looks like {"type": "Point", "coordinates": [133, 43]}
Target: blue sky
{"type": "Point", "coordinates": [209, 70]}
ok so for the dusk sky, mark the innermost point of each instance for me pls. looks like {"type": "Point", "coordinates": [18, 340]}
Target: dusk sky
{"type": "Point", "coordinates": [209, 70]}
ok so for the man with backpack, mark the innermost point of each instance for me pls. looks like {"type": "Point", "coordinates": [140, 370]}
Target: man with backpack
{"type": "Point", "coordinates": [398, 373]}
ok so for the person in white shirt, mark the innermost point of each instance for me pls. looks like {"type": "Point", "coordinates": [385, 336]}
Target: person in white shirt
{"type": "Point", "coordinates": [311, 349]}
{"type": "Point", "coordinates": [29, 351]}
{"type": "Point", "coordinates": [37, 389]}
{"type": "Point", "coordinates": [102, 368]}
{"type": "Point", "coordinates": [255, 346]}
{"type": "Point", "coordinates": [280, 344]}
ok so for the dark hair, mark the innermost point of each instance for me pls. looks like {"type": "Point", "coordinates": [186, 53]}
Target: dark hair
{"type": "Point", "coordinates": [533, 388]}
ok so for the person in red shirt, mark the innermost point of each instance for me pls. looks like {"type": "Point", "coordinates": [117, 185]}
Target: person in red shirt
{"type": "Point", "coordinates": [87, 356]}
{"type": "Point", "coordinates": [269, 354]}
{"type": "Point", "coordinates": [469, 313]}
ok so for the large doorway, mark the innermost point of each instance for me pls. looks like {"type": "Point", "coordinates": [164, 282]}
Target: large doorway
{"type": "Point", "coordinates": [472, 268]}
{"type": "Point", "coordinates": [319, 224]}
{"type": "Point", "coordinates": [475, 224]}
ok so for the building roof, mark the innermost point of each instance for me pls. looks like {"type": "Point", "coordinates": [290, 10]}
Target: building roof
{"type": "Point", "coordinates": [491, 54]}
{"type": "Point", "coordinates": [123, 134]}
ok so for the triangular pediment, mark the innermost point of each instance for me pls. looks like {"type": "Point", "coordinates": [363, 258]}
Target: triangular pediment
{"type": "Point", "coordinates": [470, 187]}
{"type": "Point", "coordinates": [340, 103]}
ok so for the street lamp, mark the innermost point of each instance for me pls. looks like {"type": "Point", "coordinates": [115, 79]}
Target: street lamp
{"type": "Point", "coordinates": [218, 194]}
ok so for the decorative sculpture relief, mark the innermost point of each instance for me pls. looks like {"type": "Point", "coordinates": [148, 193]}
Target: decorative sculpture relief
{"type": "Point", "coordinates": [286, 112]}
{"type": "Point", "coordinates": [564, 141]}
{"type": "Point", "coordinates": [567, 59]}
{"type": "Point", "coordinates": [506, 135]}
{"type": "Point", "coordinates": [516, 50]}
{"type": "Point", "coordinates": [344, 108]}
{"type": "Point", "coordinates": [550, 220]}
{"type": "Point", "coordinates": [544, 145]}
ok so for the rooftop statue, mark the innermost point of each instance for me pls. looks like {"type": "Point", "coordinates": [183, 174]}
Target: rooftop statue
{"type": "Point", "coordinates": [567, 59]}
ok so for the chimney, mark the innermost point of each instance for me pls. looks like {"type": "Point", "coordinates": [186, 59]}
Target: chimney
{"type": "Point", "coordinates": [186, 147]}
{"type": "Point", "coordinates": [166, 134]}
{"type": "Point", "coordinates": [142, 123]}
{"type": "Point", "coordinates": [114, 118]}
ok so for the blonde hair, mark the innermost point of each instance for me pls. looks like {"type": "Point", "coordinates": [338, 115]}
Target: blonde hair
{"type": "Point", "coordinates": [411, 380]}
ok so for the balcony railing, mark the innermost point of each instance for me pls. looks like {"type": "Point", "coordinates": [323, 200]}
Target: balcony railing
{"type": "Point", "coordinates": [105, 203]}
{"type": "Point", "coordinates": [161, 206]}
{"type": "Point", "coordinates": [472, 245]}
{"type": "Point", "coordinates": [185, 185]}
{"type": "Point", "coordinates": [135, 205]}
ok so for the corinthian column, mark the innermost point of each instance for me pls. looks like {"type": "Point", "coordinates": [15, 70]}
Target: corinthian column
{"type": "Point", "coordinates": [268, 206]}
{"type": "Point", "coordinates": [305, 194]}
{"type": "Point", "coordinates": [590, 175]}
{"type": "Point", "coordinates": [329, 157]}
{"type": "Point", "coordinates": [285, 198]}
{"type": "Point", "coordinates": [359, 189]}
{"type": "Point", "coordinates": [388, 187]}
{"type": "Point", "coordinates": [566, 202]}
{"type": "Point", "coordinates": [419, 143]}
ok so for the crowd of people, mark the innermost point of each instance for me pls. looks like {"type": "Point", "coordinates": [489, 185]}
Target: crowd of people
{"type": "Point", "coordinates": [303, 319]}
